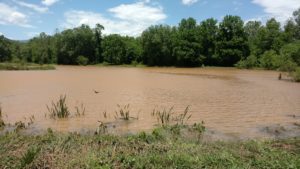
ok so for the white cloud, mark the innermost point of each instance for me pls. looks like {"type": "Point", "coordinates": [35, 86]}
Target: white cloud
{"type": "Point", "coordinates": [9, 15]}
{"type": "Point", "coordinates": [49, 2]}
{"type": "Point", "coordinates": [32, 6]}
{"type": "Point", "coordinates": [189, 2]}
{"type": "Point", "coordinates": [138, 12]}
{"type": "Point", "coordinates": [128, 19]}
{"type": "Point", "coordinates": [280, 9]}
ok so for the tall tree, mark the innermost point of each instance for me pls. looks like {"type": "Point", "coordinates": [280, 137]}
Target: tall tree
{"type": "Point", "coordinates": [252, 29]}
{"type": "Point", "coordinates": [157, 46]}
{"type": "Point", "coordinates": [187, 44]}
{"type": "Point", "coordinates": [232, 41]}
{"type": "Point", "coordinates": [98, 40]}
{"type": "Point", "coordinates": [208, 32]}
{"type": "Point", "coordinates": [5, 52]}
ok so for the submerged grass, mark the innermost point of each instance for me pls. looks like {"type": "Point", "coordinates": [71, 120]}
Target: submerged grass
{"type": "Point", "coordinates": [155, 150]}
{"type": "Point", "coordinates": [25, 66]}
{"type": "Point", "coordinates": [166, 117]}
{"type": "Point", "coordinates": [123, 113]}
{"type": "Point", "coordinates": [2, 124]}
{"type": "Point", "coordinates": [59, 109]}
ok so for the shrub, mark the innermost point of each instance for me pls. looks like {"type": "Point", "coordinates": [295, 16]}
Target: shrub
{"type": "Point", "coordinates": [292, 51]}
{"type": "Point", "coordinates": [270, 60]}
{"type": "Point", "coordinates": [296, 74]}
{"type": "Point", "coordinates": [248, 63]}
{"type": "Point", "coordinates": [287, 66]}
{"type": "Point", "coordinates": [81, 60]}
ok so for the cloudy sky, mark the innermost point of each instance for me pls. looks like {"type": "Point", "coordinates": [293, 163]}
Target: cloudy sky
{"type": "Point", "coordinates": [23, 19]}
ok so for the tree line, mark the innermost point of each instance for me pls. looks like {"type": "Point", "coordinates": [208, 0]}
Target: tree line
{"type": "Point", "coordinates": [230, 42]}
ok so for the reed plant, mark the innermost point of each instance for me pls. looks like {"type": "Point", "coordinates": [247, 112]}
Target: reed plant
{"type": "Point", "coordinates": [166, 117]}
{"type": "Point", "coordinates": [182, 118]}
{"type": "Point", "coordinates": [79, 110]}
{"type": "Point", "coordinates": [59, 109]}
{"type": "Point", "coordinates": [2, 124]}
{"type": "Point", "coordinates": [123, 113]}
{"type": "Point", "coordinates": [163, 116]}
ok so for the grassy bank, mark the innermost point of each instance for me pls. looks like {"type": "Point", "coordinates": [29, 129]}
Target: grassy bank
{"type": "Point", "coordinates": [25, 66]}
{"type": "Point", "coordinates": [160, 149]}
{"type": "Point", "coordinates": [133, 64]}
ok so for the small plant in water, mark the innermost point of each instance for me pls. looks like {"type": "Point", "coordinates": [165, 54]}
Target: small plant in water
{"type": "Point", "coordinates": [20, 125]}
{"type": "Point", "coordinates": [184, 117]}
{"type": "Point", "coordinates": [59, 109]}
{"type": "Point", "coordinates": [31, 120]}
{"type": "Point", "coordinates": [163, 117]}
{"type": "Point", "coordinates": [124, 113]}
{"type": "Point", "coordinates": [101, 129]}
{"type": "Point", "coordinates": [2, 124]}
{"type": "Point", "coordinates": [80, 111]}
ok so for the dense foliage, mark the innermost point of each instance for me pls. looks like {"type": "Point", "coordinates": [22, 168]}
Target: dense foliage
{"type": "Point", "coordinates": [230, 42]}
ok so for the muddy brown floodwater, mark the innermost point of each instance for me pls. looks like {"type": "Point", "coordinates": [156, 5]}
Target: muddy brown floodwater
{"type": "Point", "coordinates": [230, 101]}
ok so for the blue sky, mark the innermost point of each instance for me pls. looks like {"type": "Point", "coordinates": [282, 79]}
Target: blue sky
{"type": "Point", "coordinates": [23, 19]}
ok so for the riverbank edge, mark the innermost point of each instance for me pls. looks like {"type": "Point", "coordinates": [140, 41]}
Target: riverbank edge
{"type": "Point", "coordinates": [161, 148]}
{"type": "Point", "coordinates": [25, 66]}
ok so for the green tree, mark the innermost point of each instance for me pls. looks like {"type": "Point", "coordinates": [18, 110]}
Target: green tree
{"type": "Point", "coordinates": [208, 30]}
{"type": "Point", "coordinates": [72, 43]}
{"type": "Point", "coordinates": [252, 29]}
{"type": "Point", "coordinates": [187, 44]}
{"type": "Point", "coordinates": [5, 51]}
{"type": "Point", "coordinates": [157, 46]}
{"type": "Point", "coordinates": [270, 37]}
{"type": "Point", "coordinates": [98, 40]}
{"type": "Point", "coordinates": [113, 49]}
{"type": "Point", "coordinates": [296, 15]}
{"type": "Point", "coordinates": [231, 43]}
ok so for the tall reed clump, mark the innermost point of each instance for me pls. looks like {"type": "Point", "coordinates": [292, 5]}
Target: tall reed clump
{"type": "Point", "coordinates": [166, 117]}
{"type": "Point", "coordinates": [182, 119]}
{"type": "Point", "coordinates": [80, 111]}
{"type": "Point", "coordinates": [2, 124]}
{"type": "Point", "coordinates": [124, 113]}
{"type": "Point", "coordinates": [59, 109]}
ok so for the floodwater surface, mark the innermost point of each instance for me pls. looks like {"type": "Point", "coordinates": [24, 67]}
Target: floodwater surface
{"type": "Point", "coordinates": [228, 100]}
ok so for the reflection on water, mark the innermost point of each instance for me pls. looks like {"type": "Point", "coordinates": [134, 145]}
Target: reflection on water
{"type": "Point", "coordinates": [228, 100]}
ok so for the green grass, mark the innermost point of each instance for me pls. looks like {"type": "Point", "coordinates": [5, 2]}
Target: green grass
{"type": "Point", "coordinates": [159, 149]}
{"type": "Point", "coordinates": [104, 64]}
{"type": "Point", "coordinates": [25, 66]}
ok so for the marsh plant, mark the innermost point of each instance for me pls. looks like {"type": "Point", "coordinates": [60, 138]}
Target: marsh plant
{"type": "Point", "coordinates": [182, 118]}
{"type": "Point", "coordinates": [2, 124]}
{"type": "Point", "coordinates": [101, 129]}
{"type": "Point", "coordinates": [123, 113]}
{"type": "Point", "coordinates": [19, 125]}
{"type": "Point", "coordinates": [79, 110]}
{"type": "Point", "coordinates": [59, 109]}
{"type": "Point", "coordinates": [199, 128]}
{"type": "Point", "coordinates": [166, 117]}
